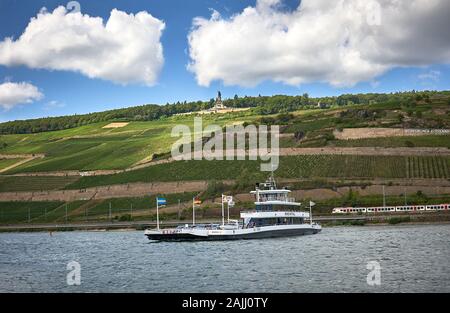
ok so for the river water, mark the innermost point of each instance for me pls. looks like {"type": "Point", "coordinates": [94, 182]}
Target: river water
{"type": "Point", "coordinates": [412, 259]}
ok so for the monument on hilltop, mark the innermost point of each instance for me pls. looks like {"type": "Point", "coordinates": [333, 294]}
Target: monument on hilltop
{"type": "Point", "coordinates": [218, 108]}
{"type": "Point", "coordinates": [218, 104]}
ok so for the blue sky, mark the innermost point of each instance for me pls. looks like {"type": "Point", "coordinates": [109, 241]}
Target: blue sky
{"type": "Point", "coordinates": [68, 92]}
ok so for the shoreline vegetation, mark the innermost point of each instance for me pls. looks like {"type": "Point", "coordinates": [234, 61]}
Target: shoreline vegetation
{"type": "Point", "coordinates": [142, 210]}
{"type": "Point", "coordinates": [326, 195]}
{"type": "Point", "coordinates": [82, 227]}
{"type": "Point", "coordinates": [168, 220]}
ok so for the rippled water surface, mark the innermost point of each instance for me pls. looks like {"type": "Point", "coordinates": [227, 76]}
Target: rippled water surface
{"type": "Point", "coordinates": [412, 259]}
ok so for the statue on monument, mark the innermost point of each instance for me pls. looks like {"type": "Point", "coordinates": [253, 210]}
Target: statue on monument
{"type": "Point", "coordinates": [218, 105]}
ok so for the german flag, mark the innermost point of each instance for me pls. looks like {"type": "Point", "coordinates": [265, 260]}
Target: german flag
{"type": "Point", "coordinates": [197, 201]}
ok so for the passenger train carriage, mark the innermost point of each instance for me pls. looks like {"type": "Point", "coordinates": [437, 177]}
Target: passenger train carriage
{"type": "Point", "coordinates": [387, 209]}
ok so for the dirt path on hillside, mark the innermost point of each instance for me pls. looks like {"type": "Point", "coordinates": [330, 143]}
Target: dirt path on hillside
{"type": "Point", "coordinates": [418, 151]}
{"type": "Point", "coordinates": [22, 156]}
{"type": "Point", "coordinates": [70, 173]}
{"type": "Point", "coordinates": [25, 158]}
{"type": "Point", "coordinates": [359, 133]}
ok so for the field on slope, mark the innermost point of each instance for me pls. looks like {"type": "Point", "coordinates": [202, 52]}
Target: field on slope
{"type": "Point", "coordinates": [34, 183]}
{"type": "Point", "coordinates": [4, 163]}
{"type": "Point", "coordinates": [93, 147]}
{"type": "Point", "coordinates": [317, 130]}
{"type": "Point", "coordinates": [295, 167]}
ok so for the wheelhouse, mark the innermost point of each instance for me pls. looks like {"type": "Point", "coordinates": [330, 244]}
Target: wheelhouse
{"type": "Point", "coordinates": [273, 206]}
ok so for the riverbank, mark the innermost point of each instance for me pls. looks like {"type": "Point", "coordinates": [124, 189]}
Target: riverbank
{"type": "Point", "coordinates": [325, 221]}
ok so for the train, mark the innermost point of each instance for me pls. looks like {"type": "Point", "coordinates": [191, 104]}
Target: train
{"type": "Point", "coordinates": [387, 209]}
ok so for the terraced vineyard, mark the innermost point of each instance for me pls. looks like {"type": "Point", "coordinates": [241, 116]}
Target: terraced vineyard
{"type": "Point", "coordinates": [342, 166]}
{"type": "Point", "coordinates": [408, 141]}
{"type": "Point", "coordinates": [428, 167]}
{"type": "Point", "coordinates": [176, 171]}
{"type": "Point", "coordinates": [93, 147]}
{"type": "Point", "coordinates": [34, 183]}
{"type": "Point", "coordinates": [4, 163]}
{"type": "Point", "coordinates": [301, 166]}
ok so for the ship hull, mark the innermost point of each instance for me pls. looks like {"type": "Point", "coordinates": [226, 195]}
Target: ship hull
{"type": "Point", "coordinates": [258, 233]}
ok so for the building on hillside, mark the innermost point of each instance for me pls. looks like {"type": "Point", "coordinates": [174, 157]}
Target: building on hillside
{"type": "Point", "coordinates": [218, 108]}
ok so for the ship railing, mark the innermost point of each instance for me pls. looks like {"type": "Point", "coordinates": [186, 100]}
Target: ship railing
{"type": "Point", "coordinates": [250, 211]}
{"type": "Point", "coordinates": [262, 211]}
{"type": "Point", "coordinates": [282, 199]}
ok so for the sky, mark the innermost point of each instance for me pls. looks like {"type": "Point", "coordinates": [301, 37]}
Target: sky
{"type": "Point", "coordinates": [59, 58]}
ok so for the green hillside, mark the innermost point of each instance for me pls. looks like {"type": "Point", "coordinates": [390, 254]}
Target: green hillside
{"type": "Point", "coordinates": [81, 143]}
{"type": "Point", "coordinates": [304, 166]}
{"type": "Point", "coordinates": [4, 163]}
{"type": "Point", "coordinates": [303, 124]}
{"type": "Point", "coordinates": [93, 147]}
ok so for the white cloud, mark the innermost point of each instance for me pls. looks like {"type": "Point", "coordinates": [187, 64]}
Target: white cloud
{"type": "Point", "coordinates": [54, 104]}
{"type": "Point", "coordinates": [125, 49]}
{"type": "Point", "coordinates": [12, 94]}
{"type": "Point", "coordinates": [338, 42]}
{"type": "Point", "coordinates": [430, 75]}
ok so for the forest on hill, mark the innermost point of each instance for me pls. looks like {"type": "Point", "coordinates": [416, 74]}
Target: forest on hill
{"type": "Point", "coordinates": [261, 104]}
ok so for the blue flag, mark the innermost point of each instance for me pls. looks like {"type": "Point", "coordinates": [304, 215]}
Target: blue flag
{"type": "Point", "coordinates": [161, 201]}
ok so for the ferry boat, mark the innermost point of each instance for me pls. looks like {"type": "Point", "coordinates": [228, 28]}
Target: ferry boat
{"type": "Point", "coordinates": [275, 215]}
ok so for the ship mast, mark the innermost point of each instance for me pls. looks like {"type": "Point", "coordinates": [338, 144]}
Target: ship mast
{"type": "Point", "coordinates": [271, 184]}
{"type": "Point", "coordinates": [223, 213]}
{"type": "Point", "coordinates": [272, 180]}
{"type": "Point", "coordinates": [193, 211]}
